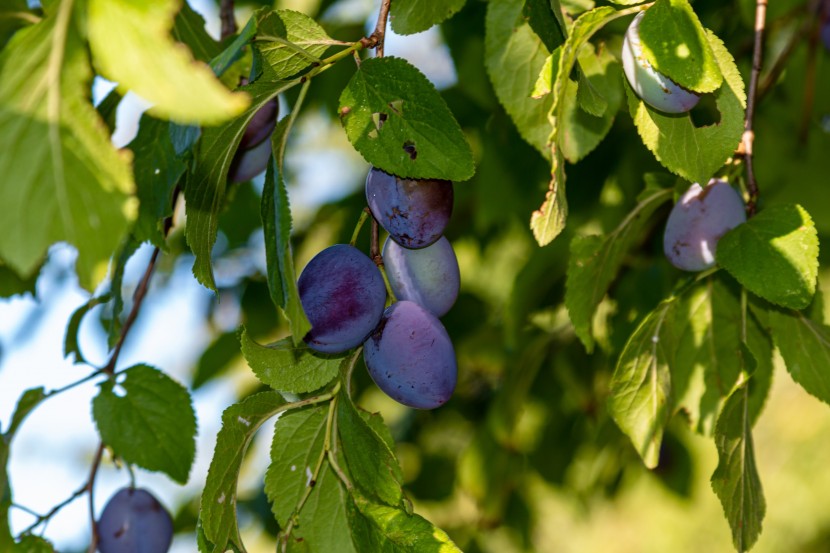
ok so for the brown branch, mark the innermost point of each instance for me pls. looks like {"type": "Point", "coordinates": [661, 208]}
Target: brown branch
{"type": "Point", "coordinates": [227, 18]}
{"type": "Point", "coordinates": [90, 487]}
{"type": "Point", "coordinates": [749, 135]}
{"type": "Point", "coordinates": [376, 39]}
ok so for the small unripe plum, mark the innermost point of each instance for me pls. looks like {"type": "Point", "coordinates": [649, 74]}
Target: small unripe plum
{"type": "Point", "coordinates": [654, 88]}
{"type": "Point", "coordinates": [698, 221]}
{"type": "Point", "coordinates": [414, 212]}
{"type": "Point", "coordinates": [343, 296]}
{"type": "Point", "coordinates": [428, 276]}
{"type": "Point", "coordinates": [133, 521]}
{"type": "Point", "coordinates": [410, 357]}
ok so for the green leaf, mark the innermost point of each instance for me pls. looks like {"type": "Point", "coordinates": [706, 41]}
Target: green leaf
{"type": "Point", "coordinates": [189, 29]}
{"type": "Point", "coordinates": [804, 344]}
{"type": "Point", "coordinates": [207, 180]}
{"type": "Point", "coordinates": [159, 71]}
{"type": "Point", "coordinates": [12, 284]}
{"type": "Point", "coordinates": [289, 368]}
{"type": "Point", "coordinates": [56, 155]}
{"type": "Point", "coordinates": [398, 122]}
{"type": "Point", "coordinates": [290, 41]}
{"type": "Point", "coordinates": [276, 223]}
{"type": "Point", "coordinates": [641, 391]}
{"type": "Point", "coordinates": [626, 2]}
{"type": "Point", "coordinates": [216, 358]}
{"type": "Point", "coordinates": [595, 261]}
{"type": "Point", "coordinates": [514, 56]}
{"type": "Point", "coordinates": [33, 544]}
{"type": "Point", "coordinates": [774, 255]}
{"type": "Point", "coordinates": [371, 462]}
{"type": "Point", "coordinates": [675, 44]}
{"type": "Point", "coordinates": [14, 15]}
{"type": "Point", "coordinates": [239, 424]}
{"type": "Point", "coordinates": [735, 480]}
{"type": "Point", "coordinates": [695, 153]}
{"type": "Point", "coordinates": [545, 22]}
{"type": "Point", "coordinates": [383, 529]}
{"type": "Point", "coordinates": [30, 399]}
{"type": "Point", "coordinates": [151, 424]}
{"type": "Point", "coordinates": [128, 248]}
{"type": "Point", "coordinates": [298, 441]}
{"type": "Point", "coordinates": [414, 16]}
{"type": "Point", "coordinates": [70, 341]}
{"type": "Point", "coordinates": [157, 171]}
{"type": "Point", "coordinates": [324, 523]}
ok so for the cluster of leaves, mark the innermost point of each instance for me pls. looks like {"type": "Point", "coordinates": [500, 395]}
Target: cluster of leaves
{"type": "Point", "coordinates": [558, 346]}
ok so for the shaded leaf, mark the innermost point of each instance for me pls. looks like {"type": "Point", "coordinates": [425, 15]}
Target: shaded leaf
{"type": "Point", "coordinates": [414, 16]}
{"type": "Point", "coordinates": [804, 344]}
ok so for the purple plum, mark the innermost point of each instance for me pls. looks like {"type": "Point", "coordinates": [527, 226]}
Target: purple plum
{"type": "Point", "coordinates": [428, 276]}
{"type": "Point", "coordinates": [133, 521]}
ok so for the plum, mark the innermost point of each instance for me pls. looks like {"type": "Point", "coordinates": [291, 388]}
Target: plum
{"type": "Point", "coordinates": [133, 521]}
{"type": "Point", "coordinates": [651, 86]}
{"type": "Point", "coordinates": [428, 276]}
{"type": "Point", "coordinates": [410, 357]}
{"type": "Point", "coordinates": [698, 221]}
{"type": "Point", "coordinates": [343, 295]}
{"type": "Point", "coordinates": [247, 164]}
{"type": "Point", "coordinates": [414, 212]}
{"type": "Point", "coordinates": [261, 125]}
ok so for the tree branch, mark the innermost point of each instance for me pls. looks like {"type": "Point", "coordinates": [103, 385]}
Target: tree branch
{"type": "Point", "coordinates": [376, 39]}
{"type": "Point", "coordinates": [90, 486]}
{"type": "Point", "coordinates": [227, 18]}
{"type": "Point", "coordinates": [749, 134]}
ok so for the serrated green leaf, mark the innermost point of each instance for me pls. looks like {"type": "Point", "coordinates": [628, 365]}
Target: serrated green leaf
{"type": "Point", "coordinates": [290, 41]}
{"type": "Point", "coordinates": [234, 51]}
{"type": "Point", "coordinates": [56, 155]}
{"type": "Point", "coordinates": [695, 153]}
{"type": "Point", "coordinates": [735, 480]}
{"type": "Point", "coordinates": [414, 16]}
{"type": "Point", "coordinates": [545, 22]}
{"type": "Point", "coordinates": [641, 391]}
{"type": "Point", "coordinates": [189, 29]}
{"type": "Point", "coordinates": [30, 399]}
{"type": "Point", "coordinates": [152, 424]}
{"type": "Point", "coordinates": [398, 122]}
{"type": "Point", "coordinates": [33, 544]}
{"type": "Point", "coordinates": [128, 248]}
{"type": "Point", "coordinates": [383, 529]}
{"type": "Point", "coordinates": [158, 71]}
{"type": "Point", "coordinates": [675, 44]}
{"type": "Point", "coordinates": [514, 56]}
{"type": "Point", "coordinates": [70, 340]}
{"type": "Point", "coordinates": [276, 223]}
{"type": "Point", "coordinates": [804, 344]}
{"type": "Point", "coordinates": [289, 368]}
{"type": "Point", "coordinates": [239, 424]}
{"type": "Point", "coordinates": [594, 262]}
{"type": "Point", "coordinates": [774, 255]}
{"type": "Point", "coordinates": [157, 171]}
{"type": "Point", "coordinates": [295, 451]}
{"type": "Point", "coordinates": [207, 181]}
{"type": "Point", "coordinates": [371, 462]}
{"type": "Point", "coordinates": [324, 523]}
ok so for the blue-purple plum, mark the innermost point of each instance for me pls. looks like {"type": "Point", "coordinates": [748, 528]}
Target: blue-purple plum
{"type": "Point", "coordinates": [428, 276]}
{"type": "Point", "coordinates": [343, 296]}
{"type": "Point", "coordinates": [133, 521]}
{"type": "Point", "coordinates": [698, 221]}
{"type": "Point", "coordinates": [654, 88]}
{"type": "Point", "coordinates": [410, 357]}
{"type": "Point", "coordinates": [414, 212]}
{"type": "Point", "coordinates": [247, 164]}
{"type": "Point", "coordinates": [261, 125]}
{"type": "Point", "coordinates": [825, 33]}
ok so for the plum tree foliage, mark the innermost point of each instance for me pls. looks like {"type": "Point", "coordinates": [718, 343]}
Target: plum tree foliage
{"type": "Point", "coordinates": [527, 204]}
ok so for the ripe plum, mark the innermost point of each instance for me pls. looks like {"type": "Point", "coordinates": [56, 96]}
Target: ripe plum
{"type": "Point", "coordinates": [428, 276]}
{"type": "Point", "coordinates": [133, 521]}
{"type": "Point", "coordinates": [261, 125]}
{"type": "Point", "coordinates": [247, 164]}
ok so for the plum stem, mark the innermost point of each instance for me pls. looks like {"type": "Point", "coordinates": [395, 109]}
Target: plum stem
{"type": "Point", "coordinates": [227, 18]}
{"type": "Point", "coordinates": [376, 39]}
{"type": "Point", "coordinates": [749, 135]}
{"type": "Point", "coordinates": [359, 226]}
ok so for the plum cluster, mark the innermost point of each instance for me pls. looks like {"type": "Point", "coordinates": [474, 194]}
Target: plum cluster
{"type": "Point", "coordinates": [133, 521]}
{"type": "Point", "coordinates": [698, 221]}
{"type": "Point", "coordinates": [407, 350]}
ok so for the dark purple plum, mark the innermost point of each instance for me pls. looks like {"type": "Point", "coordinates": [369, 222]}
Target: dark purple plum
{"type": "Point", "coordinates": [698, 221]}
{"type": "Point", "coordinates": [133, 521]}
{"type": "Point", "coordinates": [428, 276]}
{"type": "Point", "coordinates": [410, 357]}
{"type": "Point", "coordinates": [247, 164]}
{"type": "Point", "coordinates": [654, 88]}
{"type": "Point", "coordinates": [261, 125]}
{"type": "Point", "coordinates": [414, 212]}
{"type": "Point", "coordinates": [343, 296]}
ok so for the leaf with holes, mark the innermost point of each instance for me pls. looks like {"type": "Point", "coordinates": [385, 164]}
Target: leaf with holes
{"type": "Point", "coordinates": [150, 424]}
{"type": "Point", "coordinates": [399, 123]}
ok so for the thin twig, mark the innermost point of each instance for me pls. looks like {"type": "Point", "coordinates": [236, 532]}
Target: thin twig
{"type": "Point", "coordinates": [749, 135]}
{"type": "Point", "coordinates": [90, 487]}
{"type": "Point", "coordinates": [376, 39]}
{"type": "Point", "coordinates": [227, 18]}
{"type": "Point", "coordinates": [45, 518]}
